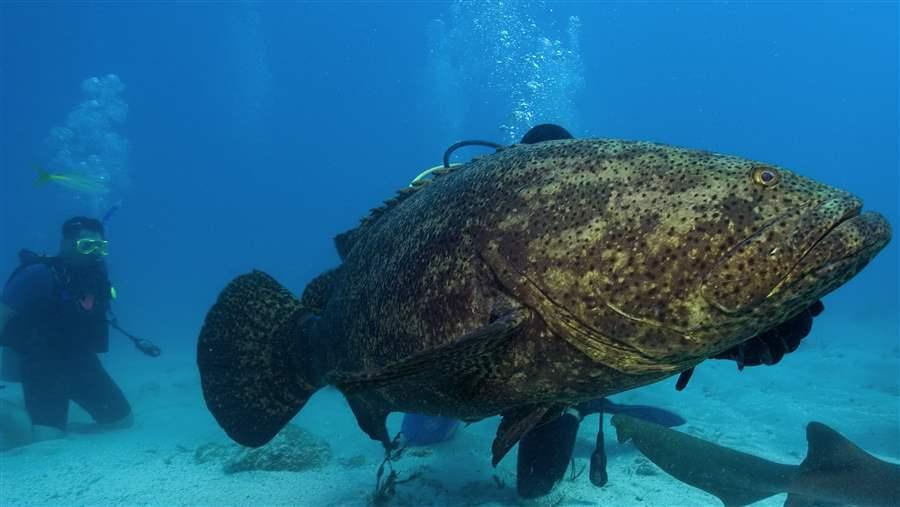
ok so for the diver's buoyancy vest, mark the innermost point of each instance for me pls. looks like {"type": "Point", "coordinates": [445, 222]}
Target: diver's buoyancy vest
{"type": "Point", "coordinates": [72, 319]}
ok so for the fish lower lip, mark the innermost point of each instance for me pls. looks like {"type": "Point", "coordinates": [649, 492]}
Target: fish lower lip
{"type": "Point", "coordinates": [843, 259]}
{"type": "Point", "coordinates": [847, 216]}
{"type": "Point", "coordinates": [850, 215]}
{"type": "Point", "coordinates": [848, 256]}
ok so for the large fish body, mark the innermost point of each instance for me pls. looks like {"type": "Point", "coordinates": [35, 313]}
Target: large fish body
{"type": "Point", "coordinates": [535, 278]}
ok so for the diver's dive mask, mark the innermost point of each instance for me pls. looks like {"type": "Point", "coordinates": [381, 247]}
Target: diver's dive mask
{"type": "Point", "coordinates": [88, 246]}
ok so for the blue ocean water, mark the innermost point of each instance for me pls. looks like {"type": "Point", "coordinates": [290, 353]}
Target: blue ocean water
{"type": "Point", "coordinates": [247, 135]}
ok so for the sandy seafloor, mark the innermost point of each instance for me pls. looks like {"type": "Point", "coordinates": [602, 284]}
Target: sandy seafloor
{"type": "Point", "coordinates": [837, 377]}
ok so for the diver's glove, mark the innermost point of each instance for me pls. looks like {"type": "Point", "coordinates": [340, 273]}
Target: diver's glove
{"type": "Point", "coordinates": [770, 347]}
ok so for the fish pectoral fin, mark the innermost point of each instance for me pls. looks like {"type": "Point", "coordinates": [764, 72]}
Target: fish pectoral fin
{"type": "Point", "coordinates": [517, 422]}
{"type": "Point", "coordinates": [465, 360]}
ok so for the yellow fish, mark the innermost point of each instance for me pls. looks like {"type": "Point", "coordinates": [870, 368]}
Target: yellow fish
{"type": "Point", "coordinates": [76, 182]}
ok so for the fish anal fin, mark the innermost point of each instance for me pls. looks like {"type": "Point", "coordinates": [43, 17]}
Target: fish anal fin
{"type": "Point", "coordinates": [371, 418]}
{"type": "Point", "coordinates": [516, 423]}
{"type": "Point", "coordinates": [466, 360]}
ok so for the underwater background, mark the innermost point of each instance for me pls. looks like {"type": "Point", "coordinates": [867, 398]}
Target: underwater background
{"type": "Point", "coordinates": [246, 135]}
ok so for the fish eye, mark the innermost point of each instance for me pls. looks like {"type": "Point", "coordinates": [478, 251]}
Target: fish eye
{"type": "Point", "coordinates": [766, 177]}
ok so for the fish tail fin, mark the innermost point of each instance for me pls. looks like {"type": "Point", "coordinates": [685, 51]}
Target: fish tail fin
{"type": "Point", "coordinates": [43, 177]}
{"type": "Point", "coordinates": [254, 375]}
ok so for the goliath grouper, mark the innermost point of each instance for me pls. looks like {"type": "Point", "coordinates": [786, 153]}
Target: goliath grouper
{"type": "Point", "coordinates": [533, 279]}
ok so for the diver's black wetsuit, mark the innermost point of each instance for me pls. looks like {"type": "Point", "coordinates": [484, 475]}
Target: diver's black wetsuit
{"type": "Point", "coordinates": [57, 330]}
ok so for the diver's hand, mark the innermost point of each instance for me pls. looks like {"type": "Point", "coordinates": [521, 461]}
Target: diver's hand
{"type": "Point", "coordinates": [770, 347]}
{"type": "Point", "coordinates": [147, 347]}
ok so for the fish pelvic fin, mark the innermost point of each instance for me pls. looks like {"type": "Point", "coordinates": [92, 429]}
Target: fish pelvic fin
{"type": "Point", "coordinates": [517, 422]}
{"type": "Point", "coordinates": [253, 371]}
{"type": "Point", "coordinates": [371, 416]}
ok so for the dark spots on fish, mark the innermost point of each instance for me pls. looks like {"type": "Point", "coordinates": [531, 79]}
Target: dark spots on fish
{"type": "Point", "coordinates": [621, 236]}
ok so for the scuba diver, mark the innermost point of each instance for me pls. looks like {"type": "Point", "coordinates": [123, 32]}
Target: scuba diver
{"type": "Point", "coordinates": [545, 452]}
{"type": "Point", "coordinates": [53, 323]}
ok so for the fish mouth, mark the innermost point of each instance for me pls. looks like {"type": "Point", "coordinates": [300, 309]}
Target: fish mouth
{"type": "Point", "coordinates": [850, 214]}
{"type": "Point", "coordinates": [816, 242]}
{"type": "Point", "coordinates": [840, 253]}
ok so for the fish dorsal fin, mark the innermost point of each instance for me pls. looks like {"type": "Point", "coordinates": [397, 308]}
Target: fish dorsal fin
{"type": "Point", "coordinates": [841, 473]}
{"type": "Point", "coordinates": [345, 241]}
{"type": "Point", "coordinates": [464, 360]}
{"type": "Point", "coordinates": [829, 450]}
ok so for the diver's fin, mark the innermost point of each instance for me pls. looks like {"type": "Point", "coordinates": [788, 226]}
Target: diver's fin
{"type": "Point", "coordinates": [544, 455]}
{"type": "Point", "coordinates": [465, 360]}
{"type": "Point", "coordinates": [249, 360]}
{"type": "Point", "coordinates": [516, 423]}
{"type": "Point", "coordinates": [371, 418]}
{"type": "Point", "coordinates": [646, 412]}
{"type": "Point", "coordinates": [735, 477]}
